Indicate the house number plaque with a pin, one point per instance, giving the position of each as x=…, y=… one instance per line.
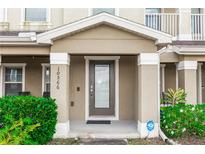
x=58, y=79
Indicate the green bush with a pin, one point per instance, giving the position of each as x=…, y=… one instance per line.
x=17, y=132
x=175, y=97
x=39, y=110
x=183, y=120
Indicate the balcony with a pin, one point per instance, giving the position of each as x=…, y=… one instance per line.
x=198, y=26
x=169, y=23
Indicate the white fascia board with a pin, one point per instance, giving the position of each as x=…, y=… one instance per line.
x=158, y=36
x=148, y=59
x=184, y=65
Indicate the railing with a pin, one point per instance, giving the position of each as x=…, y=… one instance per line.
x=166, y=22
x=198, y=26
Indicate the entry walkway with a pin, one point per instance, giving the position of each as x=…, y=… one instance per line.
x=117, y=129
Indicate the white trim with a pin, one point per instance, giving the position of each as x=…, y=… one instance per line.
x=199, y=83
x=13, y=65
x=5, y=15
x=102, y=18
x=177, y=76
x=117, y=11
x=87, y=59
x=158, y=98
x=90, y=11
x=62, y=130
x=163, y=76
x=43, y=75
x=102, y=57
x=142, y=129
x=148, y=59
x=102, y=118
x=187, y=65
x=182, y=36
x=1, y=81
x=59, y=58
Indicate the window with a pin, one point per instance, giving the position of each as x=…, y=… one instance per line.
x=46, y=78
x=2, y=15
x=195, y=10
x=153, y=20
x=13, y=80
x=101, y=10
x=35, y=14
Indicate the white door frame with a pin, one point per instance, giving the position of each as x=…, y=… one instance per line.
x=87, y=59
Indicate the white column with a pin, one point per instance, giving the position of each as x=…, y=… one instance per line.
x=162, y=66
x=148, y=93
x=1, y=77
x=60, y=91
x=177, y=77
x=184, y=24
x=203, y=22
x=199, y=83
x=188, y=79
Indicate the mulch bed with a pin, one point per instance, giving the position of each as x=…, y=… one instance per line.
x=190, y=140
x=72, y=141
x=149, y=141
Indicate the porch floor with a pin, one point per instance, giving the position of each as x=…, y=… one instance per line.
x=117, y=129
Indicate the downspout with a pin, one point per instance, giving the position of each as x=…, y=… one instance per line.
x=159, y=52
x=161, y=133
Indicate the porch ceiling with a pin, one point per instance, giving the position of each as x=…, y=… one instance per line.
x=104, y=18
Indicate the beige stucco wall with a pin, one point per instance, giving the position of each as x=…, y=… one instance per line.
x=60, y=16
x=74, y=14
x=170, y=10
x=147, y=93
x=33, y=72
x=104, y=40
x=203, y=82
x=60, y=89
x=194, y=58
x=24, y=50
x=77, y=79
x=188, y=81
x=133, y=14
x=170, y=76
x=126, y=85
x=14, y=18
x=169, y=57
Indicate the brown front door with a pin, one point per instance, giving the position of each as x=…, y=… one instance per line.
x=101, y=88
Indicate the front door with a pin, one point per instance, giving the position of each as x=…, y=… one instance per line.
x=101, y=88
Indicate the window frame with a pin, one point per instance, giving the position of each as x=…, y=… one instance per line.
x=13, y=65
x=5, y=19
x=48, y=17
x=90, y=11
x=44, y=65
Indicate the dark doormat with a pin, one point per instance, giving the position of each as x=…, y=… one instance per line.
x=103, y=142
x=98, y=122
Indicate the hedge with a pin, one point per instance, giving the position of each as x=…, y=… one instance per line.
x=183, y=120
x=39, y=110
